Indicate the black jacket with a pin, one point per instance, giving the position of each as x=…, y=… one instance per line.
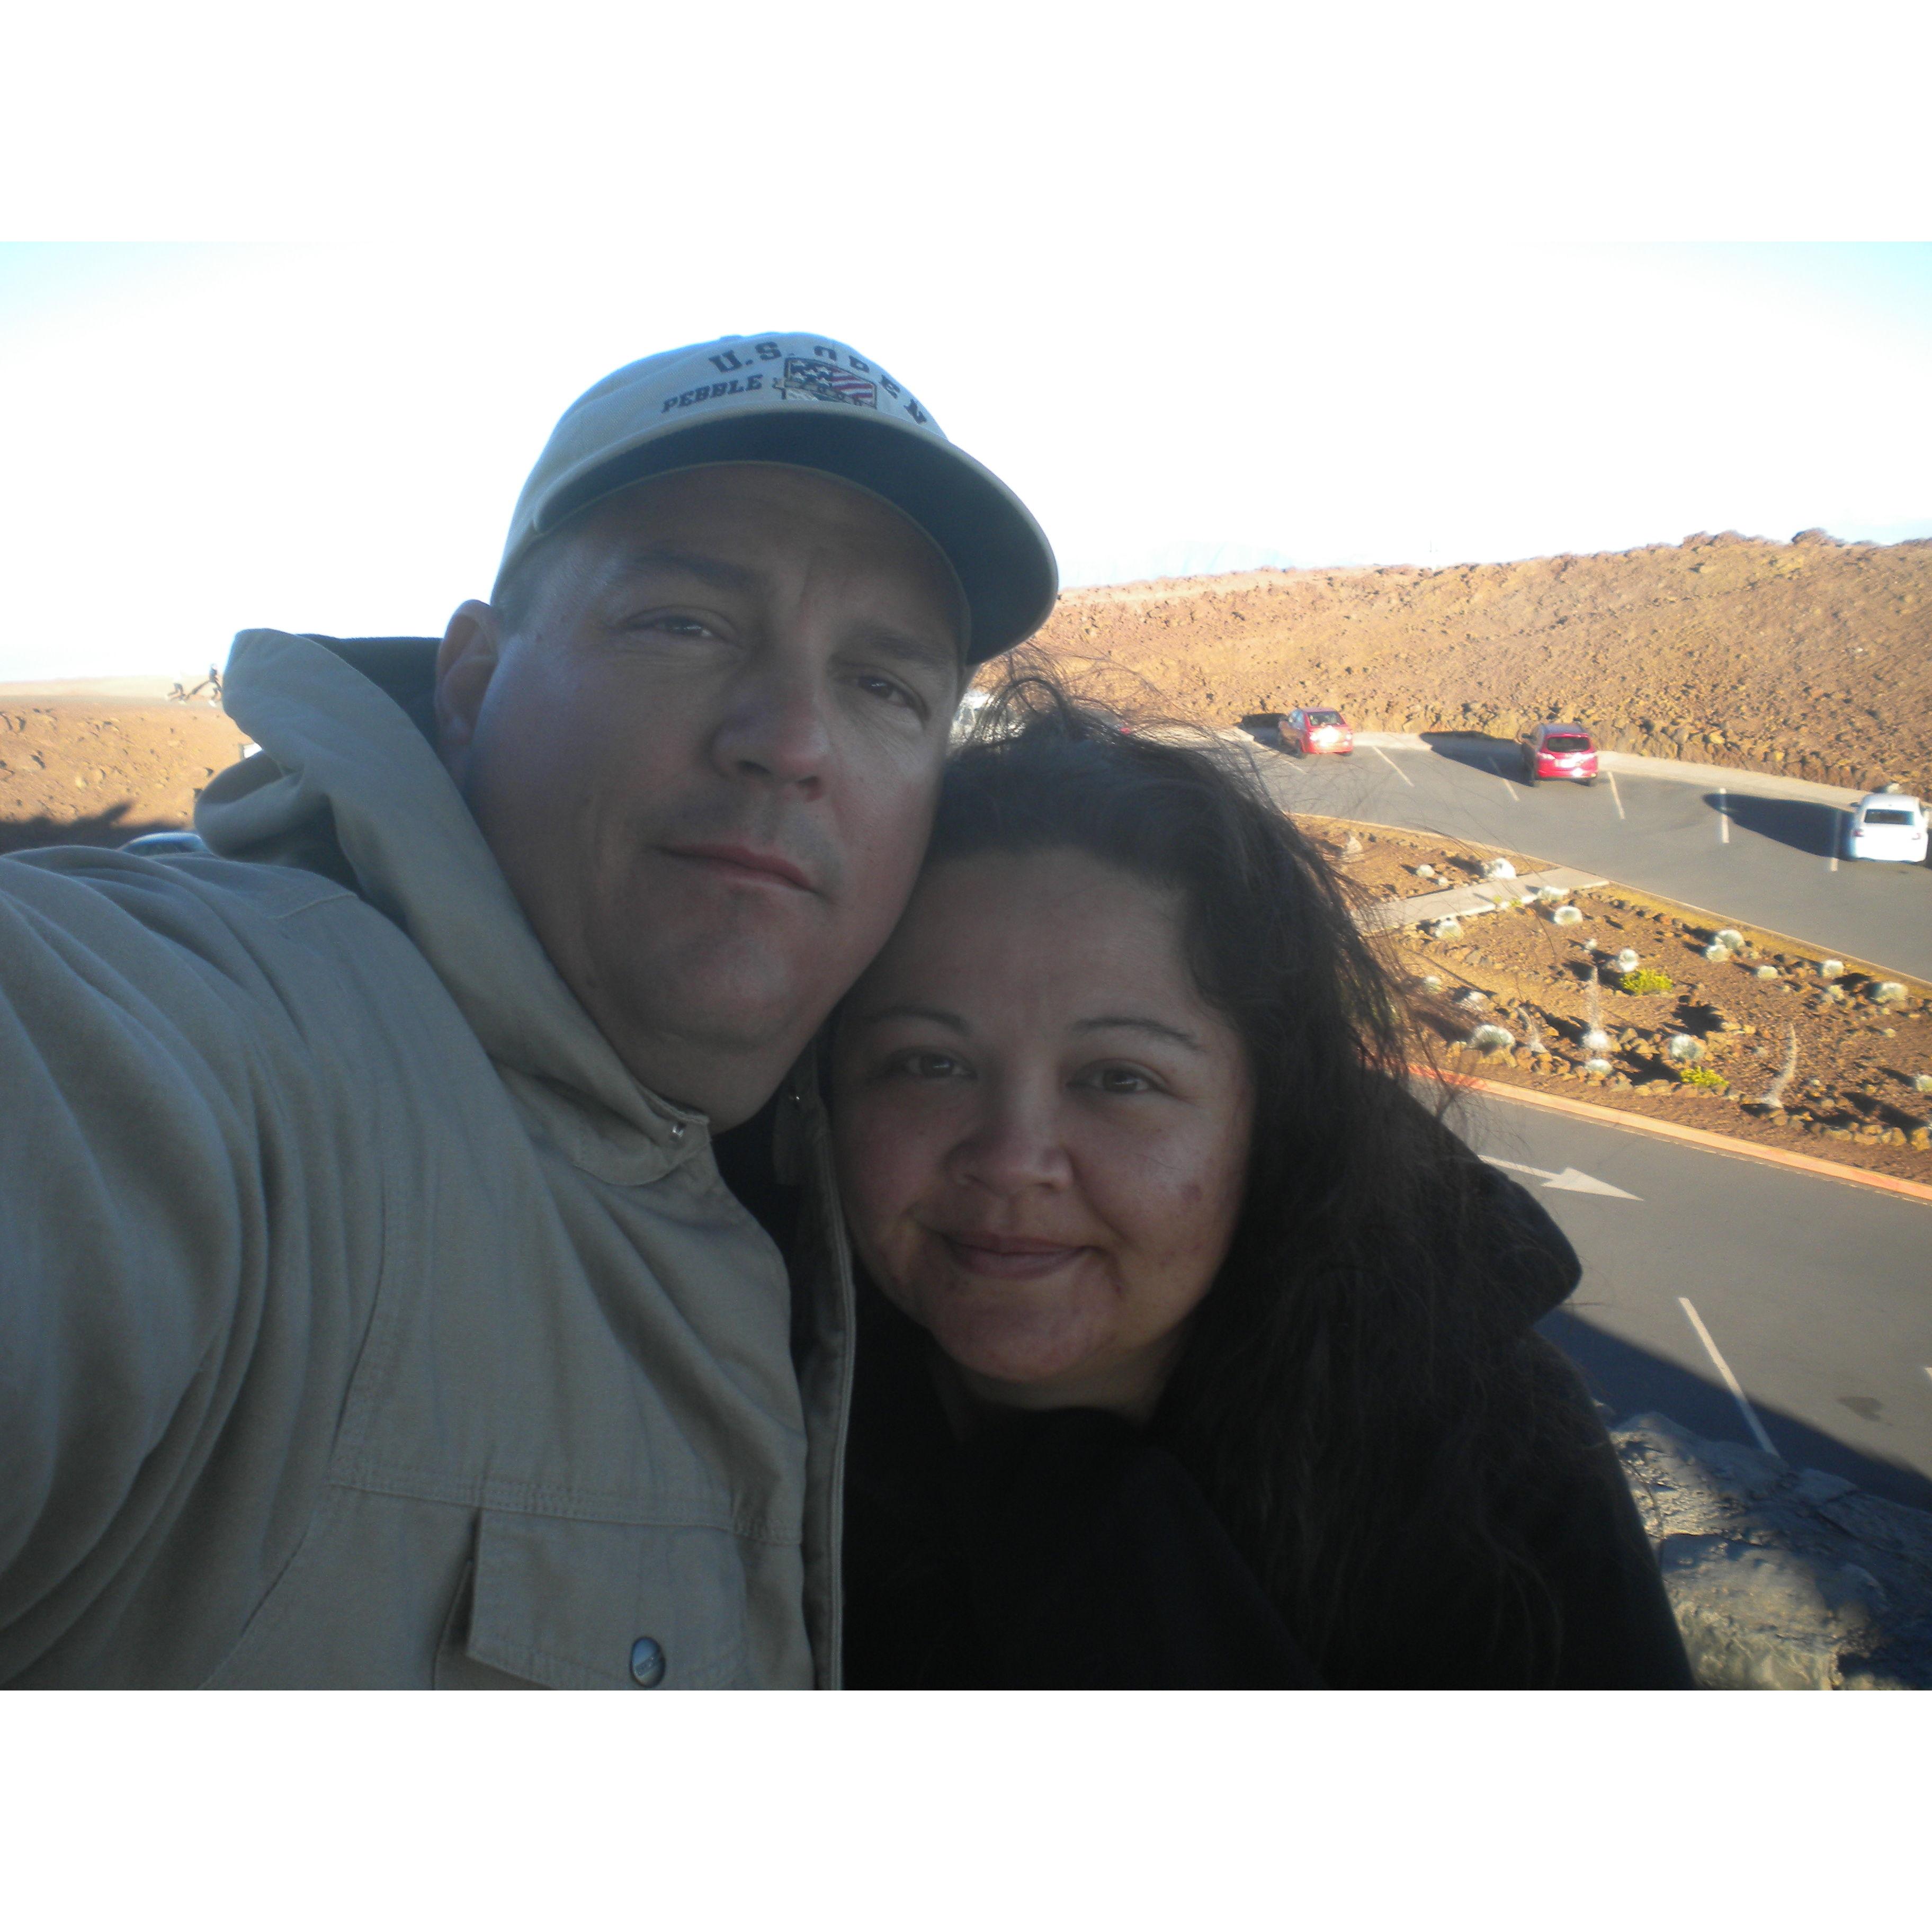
x=1069, y=1549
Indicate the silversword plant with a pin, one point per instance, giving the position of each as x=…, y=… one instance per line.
x=1774, y=1094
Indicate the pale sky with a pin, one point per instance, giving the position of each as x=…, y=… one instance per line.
x=1107, y=268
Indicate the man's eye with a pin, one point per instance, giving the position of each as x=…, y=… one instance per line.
x=667, y=623
x=887, y=690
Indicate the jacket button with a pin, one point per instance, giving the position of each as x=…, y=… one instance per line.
x=647, y=1662
x=677, y=1130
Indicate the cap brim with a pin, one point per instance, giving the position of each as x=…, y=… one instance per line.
x=1005, y=565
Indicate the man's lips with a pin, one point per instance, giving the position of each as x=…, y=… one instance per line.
x=1010, y=1257
x=744, y=863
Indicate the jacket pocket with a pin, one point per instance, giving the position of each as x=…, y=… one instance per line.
x=565, y=1604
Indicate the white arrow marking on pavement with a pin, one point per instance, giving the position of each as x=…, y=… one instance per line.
x=1570, y=1181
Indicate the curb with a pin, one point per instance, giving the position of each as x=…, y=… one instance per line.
x=1680, y=771
x=1872, y=968
x=1582, y=1110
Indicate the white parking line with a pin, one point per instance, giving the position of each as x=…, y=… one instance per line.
x=1723, y=819
x=1929, y=1372
x=1616, y=797
x=1723, y=1367
x=1393, y=767
x=1506, y=785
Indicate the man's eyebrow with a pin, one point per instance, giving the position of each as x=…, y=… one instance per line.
x=712, y=570
x=937, y=1015
x=910, y=647
x=905, y=647
x=1135, y=1023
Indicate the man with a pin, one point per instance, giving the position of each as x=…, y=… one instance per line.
x=373, y=1310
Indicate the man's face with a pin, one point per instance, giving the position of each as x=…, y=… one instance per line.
x=707, y=760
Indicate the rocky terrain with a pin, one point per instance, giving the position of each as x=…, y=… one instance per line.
x=75, y=771
x=1856, y=1051
x=1781, y=1579
x=1812, y=658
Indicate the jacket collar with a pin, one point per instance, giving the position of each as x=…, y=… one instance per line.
x=339, y=754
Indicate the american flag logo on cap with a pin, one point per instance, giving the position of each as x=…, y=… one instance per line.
x=828, y=383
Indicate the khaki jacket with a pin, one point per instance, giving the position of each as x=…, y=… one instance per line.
x=363, y=1321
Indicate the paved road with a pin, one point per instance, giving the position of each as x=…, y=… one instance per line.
x=1817, y=1293
x=1755, y=849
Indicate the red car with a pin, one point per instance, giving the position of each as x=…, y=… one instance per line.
x=1559, y=751
x=1307, y=732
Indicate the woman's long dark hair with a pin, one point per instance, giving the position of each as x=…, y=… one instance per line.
x=1356, y=1395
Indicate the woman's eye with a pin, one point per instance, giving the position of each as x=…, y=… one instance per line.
x=1121, y=1080
x=925, y=1065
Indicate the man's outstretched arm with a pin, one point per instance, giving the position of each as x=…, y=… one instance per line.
x=138, y=1146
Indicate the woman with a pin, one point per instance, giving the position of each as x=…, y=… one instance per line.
x=1194, y=1350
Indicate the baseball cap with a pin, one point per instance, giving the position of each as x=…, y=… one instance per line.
x=809, y=401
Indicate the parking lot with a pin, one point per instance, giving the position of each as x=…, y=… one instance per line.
x=1742, y=845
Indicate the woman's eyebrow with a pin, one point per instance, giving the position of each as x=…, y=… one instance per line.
x=937, y=1015
x=1133, y=1022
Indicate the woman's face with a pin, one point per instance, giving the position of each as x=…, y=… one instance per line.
x=1042, y=1130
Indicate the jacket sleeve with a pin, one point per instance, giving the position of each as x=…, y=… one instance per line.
x=1575, y=1516
x=1522, y=1250
x=131, y=1193
x=1616, y=1631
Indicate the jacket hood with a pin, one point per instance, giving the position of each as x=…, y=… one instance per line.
x=345, y=769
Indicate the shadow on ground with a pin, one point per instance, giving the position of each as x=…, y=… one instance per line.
x=112, y=827
x=1801, y=823
x=1629, y=1380
x=1476, y=751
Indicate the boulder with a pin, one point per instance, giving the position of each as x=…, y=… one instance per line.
x=1782, y=1579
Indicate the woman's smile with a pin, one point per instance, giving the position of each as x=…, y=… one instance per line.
x=1010, y=1257
x=1042, y=1127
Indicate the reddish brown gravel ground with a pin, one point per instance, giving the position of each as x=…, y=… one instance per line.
x=74, y=773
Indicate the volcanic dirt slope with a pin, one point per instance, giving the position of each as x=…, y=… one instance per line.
x=74, y=771
x=1813, y=658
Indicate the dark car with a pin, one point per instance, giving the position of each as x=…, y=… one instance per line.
x=1552, y=751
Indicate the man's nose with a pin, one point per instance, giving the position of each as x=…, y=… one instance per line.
x=1016, y=1144
x=776, y=727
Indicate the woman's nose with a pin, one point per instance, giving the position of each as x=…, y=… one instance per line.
x=1014, y=1145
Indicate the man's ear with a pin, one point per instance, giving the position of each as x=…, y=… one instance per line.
x=465, y=663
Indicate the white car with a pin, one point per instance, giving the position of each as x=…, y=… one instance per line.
x=1887, y=825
